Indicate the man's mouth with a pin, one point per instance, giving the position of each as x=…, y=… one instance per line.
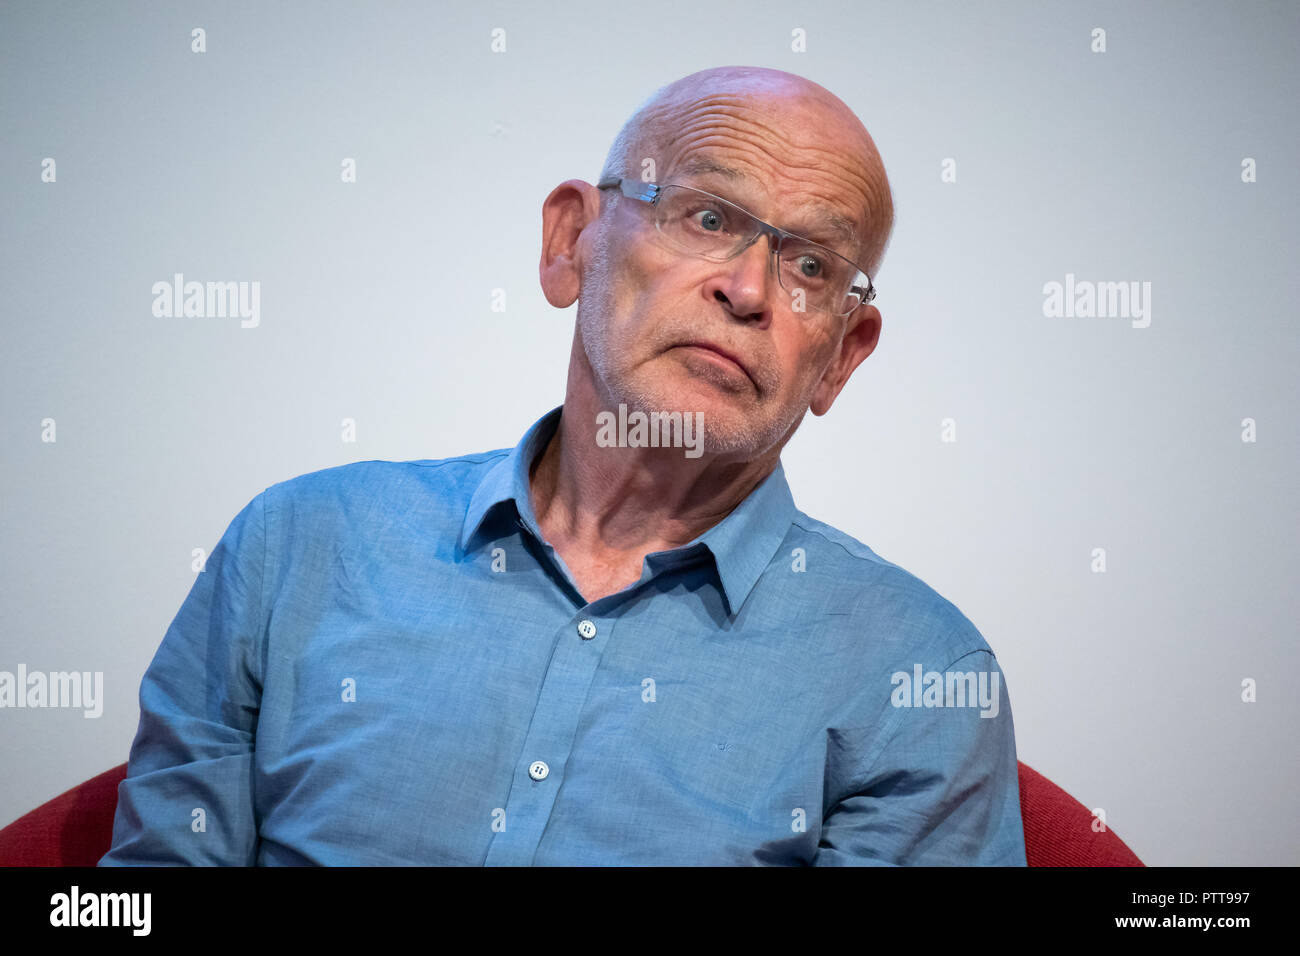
x=719, y=355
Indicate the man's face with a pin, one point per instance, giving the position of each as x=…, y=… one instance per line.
x=650, y=316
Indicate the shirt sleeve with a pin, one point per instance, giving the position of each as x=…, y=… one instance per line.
x=187, y=797
x=944, y=791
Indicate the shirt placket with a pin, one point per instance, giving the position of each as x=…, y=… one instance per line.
x=539, y=769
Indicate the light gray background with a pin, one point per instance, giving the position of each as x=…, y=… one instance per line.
x=1072, y=433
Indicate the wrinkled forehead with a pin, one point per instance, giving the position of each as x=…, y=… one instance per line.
x=798, y=161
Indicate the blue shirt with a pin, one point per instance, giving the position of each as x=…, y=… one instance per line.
x=385, y=663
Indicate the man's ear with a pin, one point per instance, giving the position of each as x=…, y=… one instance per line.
x=859, y=341
x=567, y=211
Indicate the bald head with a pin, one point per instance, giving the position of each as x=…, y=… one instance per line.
x=801, y=125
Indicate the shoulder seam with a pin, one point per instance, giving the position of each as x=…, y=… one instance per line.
x=829, y=540
x=415, y=462
x=973, y=650
x=463, y=460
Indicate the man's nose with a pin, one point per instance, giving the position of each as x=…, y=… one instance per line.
x=748, y=280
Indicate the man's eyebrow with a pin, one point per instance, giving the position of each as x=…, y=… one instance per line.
x=839, y=226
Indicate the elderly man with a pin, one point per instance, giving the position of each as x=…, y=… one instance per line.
x=612, y=644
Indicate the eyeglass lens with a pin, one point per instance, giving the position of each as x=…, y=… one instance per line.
x=810, y=273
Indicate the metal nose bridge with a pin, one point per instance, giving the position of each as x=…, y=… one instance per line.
x=774, y=237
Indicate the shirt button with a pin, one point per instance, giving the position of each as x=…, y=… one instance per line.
x=539, y=770
x=587, y=629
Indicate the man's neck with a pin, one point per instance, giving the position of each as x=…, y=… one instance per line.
x=613, y=505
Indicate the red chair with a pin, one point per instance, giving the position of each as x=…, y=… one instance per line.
x=76, y=828
x=73, y=829
x=1058, y=828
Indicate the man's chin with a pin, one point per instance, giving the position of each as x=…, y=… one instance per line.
x=714, y=426
x=723, y=408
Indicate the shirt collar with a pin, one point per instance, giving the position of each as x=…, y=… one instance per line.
x=741, y=544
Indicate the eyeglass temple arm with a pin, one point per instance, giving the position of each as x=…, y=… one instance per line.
x=632, y=188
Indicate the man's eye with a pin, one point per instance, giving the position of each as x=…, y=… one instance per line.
x=811, y=266
x=710, y=220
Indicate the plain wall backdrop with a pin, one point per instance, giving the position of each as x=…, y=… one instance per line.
x=1072, y=434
